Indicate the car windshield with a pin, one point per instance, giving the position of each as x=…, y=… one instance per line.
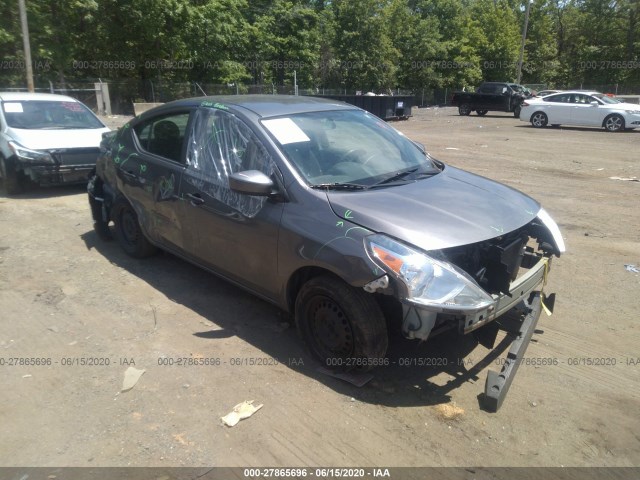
x=349, y=148
x=605, y=99
x=49, y=115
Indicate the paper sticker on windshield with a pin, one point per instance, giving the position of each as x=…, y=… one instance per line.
x=285, y=131
x=73, y=106
x=13, y=107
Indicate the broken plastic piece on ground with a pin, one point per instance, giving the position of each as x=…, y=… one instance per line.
x=626, y=179
x=131, y=377
x=240, y=412
x=357, y=379
x=631, y=268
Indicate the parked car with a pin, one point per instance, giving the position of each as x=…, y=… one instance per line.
x=544, y=93
x=46, y=138
x=330, y=213
x=584, y=108
x=491, y=96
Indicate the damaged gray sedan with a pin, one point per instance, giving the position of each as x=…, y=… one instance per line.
x=330, y=213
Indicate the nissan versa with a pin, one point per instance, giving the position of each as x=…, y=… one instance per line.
x=330, y=213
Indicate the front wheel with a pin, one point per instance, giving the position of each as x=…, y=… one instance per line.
x=482, y=113
x=464, y=109
x=539, y=120
x=614, y=123
x=343, y=326
x=128, y=231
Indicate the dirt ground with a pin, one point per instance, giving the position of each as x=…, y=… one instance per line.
x=67, y=298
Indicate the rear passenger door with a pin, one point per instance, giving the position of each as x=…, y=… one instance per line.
x=150, y=173
x=559, y=108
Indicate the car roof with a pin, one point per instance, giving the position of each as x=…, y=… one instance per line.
x=26, y=96
x=264, y=105
x=587, y=92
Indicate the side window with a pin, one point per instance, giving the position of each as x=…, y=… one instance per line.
x=221, y=144
x=562, y=98
x=581, y=99
x=164, y=136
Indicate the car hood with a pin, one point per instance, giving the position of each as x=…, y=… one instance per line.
x=624, y=106
x=39, y=139
x=450, y=209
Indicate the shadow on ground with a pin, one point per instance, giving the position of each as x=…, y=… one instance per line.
x=406, y=381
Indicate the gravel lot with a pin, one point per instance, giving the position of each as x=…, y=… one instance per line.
x=67, y=296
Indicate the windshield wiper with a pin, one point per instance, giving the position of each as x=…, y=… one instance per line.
x=395, y=176
x=340, y=186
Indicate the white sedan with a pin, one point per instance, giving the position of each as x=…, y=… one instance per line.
x=591, y=109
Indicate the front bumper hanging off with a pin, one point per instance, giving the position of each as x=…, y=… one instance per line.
x=497, y=384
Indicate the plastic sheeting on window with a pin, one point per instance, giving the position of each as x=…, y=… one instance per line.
x=221, y=144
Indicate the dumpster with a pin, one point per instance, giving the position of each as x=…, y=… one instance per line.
x=384, y=106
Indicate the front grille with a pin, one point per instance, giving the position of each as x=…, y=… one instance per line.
x=76, y=156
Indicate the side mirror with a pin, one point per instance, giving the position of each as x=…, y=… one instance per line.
x=594, y=103
x=251, y=182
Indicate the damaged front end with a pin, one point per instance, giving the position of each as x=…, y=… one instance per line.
x=468, y=286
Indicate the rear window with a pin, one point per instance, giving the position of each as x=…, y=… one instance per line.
x=49, y=115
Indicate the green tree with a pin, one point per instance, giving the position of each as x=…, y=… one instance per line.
x=366, y=57
x=499, y=46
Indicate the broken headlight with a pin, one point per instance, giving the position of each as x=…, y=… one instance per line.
x=429, y=282
x=32, y=156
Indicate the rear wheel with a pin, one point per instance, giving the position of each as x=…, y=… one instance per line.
x=614, y=123
x=464, y=109
x=343, y=327
x=539, y=120
x=482, y=113
x=128, y=231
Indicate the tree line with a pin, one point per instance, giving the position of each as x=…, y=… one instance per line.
x=351, y=45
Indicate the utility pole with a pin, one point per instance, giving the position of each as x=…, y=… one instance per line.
x=524, y=39
x=27, y=46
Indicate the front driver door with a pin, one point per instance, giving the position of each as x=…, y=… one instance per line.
x=234, y=234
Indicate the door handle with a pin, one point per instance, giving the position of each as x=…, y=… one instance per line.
x=195, y=199
x=132, y=177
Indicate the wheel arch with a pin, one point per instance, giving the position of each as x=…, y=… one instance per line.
x=301, y=276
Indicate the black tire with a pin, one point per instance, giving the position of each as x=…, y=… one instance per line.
x=12, y=184
x=614, y=123
x=516, y=111
x=342, y=326
x=464, y=109
x=539, y=120
x=482, y=113
x=128, y=232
